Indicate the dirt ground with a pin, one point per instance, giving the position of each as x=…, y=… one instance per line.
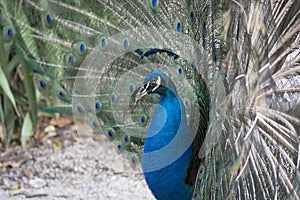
x=59, y=164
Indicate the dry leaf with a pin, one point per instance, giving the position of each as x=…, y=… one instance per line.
x=12, y=163
x=15, y=192
x=61, y=122
x=28, y=174
x=56, y=144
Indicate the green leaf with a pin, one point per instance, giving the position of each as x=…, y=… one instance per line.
x=5, y=86
x=10, y=118
x=12, y=64
x=27, y=130
x=3, y=121
x=30, y=91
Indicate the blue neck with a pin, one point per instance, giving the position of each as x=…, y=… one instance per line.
x=164, y=163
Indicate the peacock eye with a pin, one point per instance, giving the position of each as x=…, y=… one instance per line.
x=153, y=84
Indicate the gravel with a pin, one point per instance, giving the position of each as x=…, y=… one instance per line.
x=61, y=168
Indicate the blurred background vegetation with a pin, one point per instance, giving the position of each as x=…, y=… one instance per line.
x=19, y=96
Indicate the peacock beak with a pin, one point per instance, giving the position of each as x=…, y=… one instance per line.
x=140, y=94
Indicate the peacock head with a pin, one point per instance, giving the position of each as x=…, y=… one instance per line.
x=155, y=82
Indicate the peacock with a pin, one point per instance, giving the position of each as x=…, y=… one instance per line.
x=202, y=94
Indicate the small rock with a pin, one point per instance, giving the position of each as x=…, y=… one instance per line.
x=49, y=128
x=117, y=167
x=25, y=179
x=89, y=140
x=37, y=183
x=51, y=131
x=6, y=182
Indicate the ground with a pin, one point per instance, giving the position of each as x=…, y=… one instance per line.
x=58, y=164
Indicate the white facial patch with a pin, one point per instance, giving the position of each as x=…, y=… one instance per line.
x=158, y=83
